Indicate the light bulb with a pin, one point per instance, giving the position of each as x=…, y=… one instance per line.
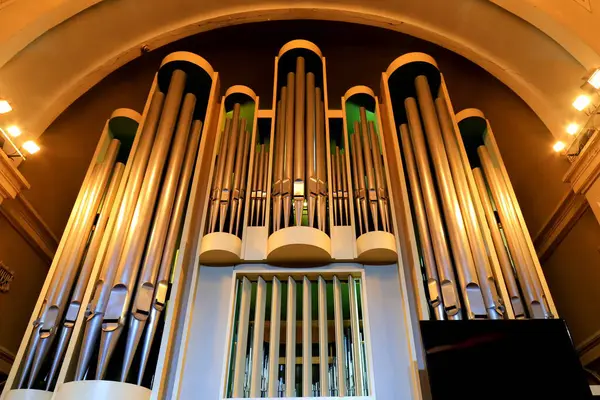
x=4, y=107
x=13, y=130
x=558, y=146
x=31, y=147
x=572, y=128
x=581, y=102
x=594, y=80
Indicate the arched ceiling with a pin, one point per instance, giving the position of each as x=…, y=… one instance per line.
x=53, y=51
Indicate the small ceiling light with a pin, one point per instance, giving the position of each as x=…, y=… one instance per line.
x=558, y=146
x=31, y=147
x=594, y=80
x=13, y=130
x=581, y=102
x=572, y=129
x=5, y=107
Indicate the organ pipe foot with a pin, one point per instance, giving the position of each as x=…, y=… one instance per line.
x=108, y=342
x=152, y=325
x=287, y=205
x=59, y=353
x=40, y=354
x=276, y=213
x=35, y=338
x=134, y=334
x=90, y=338
x=298, y=206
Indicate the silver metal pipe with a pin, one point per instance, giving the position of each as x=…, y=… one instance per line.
x=227, y=176
x=97, y=305
x=146, y=283
x=362, y=186
x=344, y=186
x=264, y=184
x=465, y=265
x=122, y=287
x=487, y=280
x=503, y=257
x=338, y=183
x=218, y=175
x=259, y=183
x=371, y=193
x=355, y=184
x=159, y=300
x=334, y=188
x=243, y=183
x=321, y=120
x=425, y=247
x=379, y=176
x=72, y=234
x=237, y=181
x=299, y=142
x=56, y=305
x=288, y=170
x=531, y=287
x=311, y=162
x=254, y=191
x=279, y=158
x=448, y=283
x=72, y=312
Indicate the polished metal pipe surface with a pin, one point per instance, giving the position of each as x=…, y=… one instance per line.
x=379, y=178
x=311, y=162
x=334, y=188
x=344, y=187
x=321, y=163
x=228, y=174
x=464, y=262
x=425, y=246
x=487, y=280
x=503, y=257
x=279, y=159
x=338, y=178
x=218, y=176
x=254, y=191
x=448, y=283
x=259, y=184
x=531, y=287
x=362, y=186
x=299, y=142
x=144, y=287
x=129, y=263
x=288, y=170
x=237, y=171
x=55, y=307
x=97, y=305
x=264, y=184
x=371, y=192
x=243, y=183
x=354, y=173
x=102, y=226
x=171, y=246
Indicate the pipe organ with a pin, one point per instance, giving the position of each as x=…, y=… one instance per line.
x=203, y=182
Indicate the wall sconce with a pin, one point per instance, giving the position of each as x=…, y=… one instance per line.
x=559, y=146
x=5, y=107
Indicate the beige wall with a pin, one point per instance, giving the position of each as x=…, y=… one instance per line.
x=245, y=55
x=573, y=273
x=30, y=271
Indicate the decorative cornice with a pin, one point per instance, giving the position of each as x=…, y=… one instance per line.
x=11, y=180
x=562, y=220
x=589, y=349
x=6, y=360
x=586, y=168
x=26, y=220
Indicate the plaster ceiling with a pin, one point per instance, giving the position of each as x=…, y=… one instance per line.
x=53, y=51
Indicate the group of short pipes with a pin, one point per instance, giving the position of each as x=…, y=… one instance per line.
x=142, y=225
x=455, y=248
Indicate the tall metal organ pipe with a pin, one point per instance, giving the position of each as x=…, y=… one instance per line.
x=97, y=305
x=122, y=286
x=491, y=297
x=463, y=259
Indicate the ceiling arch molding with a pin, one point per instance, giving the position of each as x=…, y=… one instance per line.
x=47, y=74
